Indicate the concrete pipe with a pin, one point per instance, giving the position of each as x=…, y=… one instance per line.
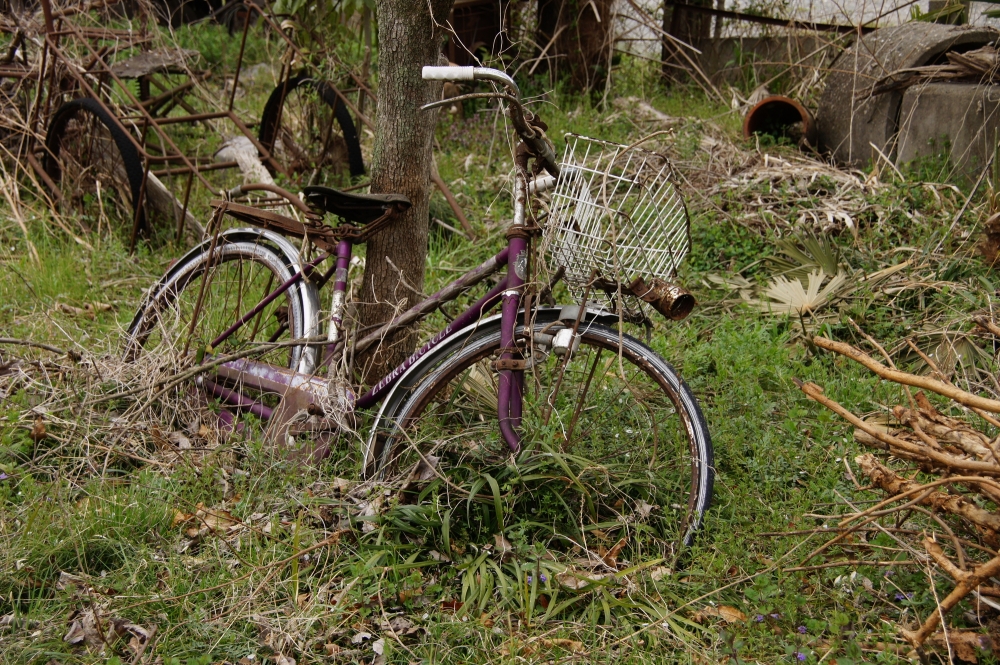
x=849, y=122
x=780, y=117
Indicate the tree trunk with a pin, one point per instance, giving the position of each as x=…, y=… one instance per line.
x=401, y=163
x=690, y=27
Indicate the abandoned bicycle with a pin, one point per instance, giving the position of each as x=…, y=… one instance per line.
x=528, y=380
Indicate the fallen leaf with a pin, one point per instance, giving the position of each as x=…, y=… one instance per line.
x=83, y=629
x=400, y=625
x=90, y=310
x=502, y=544
x=180, y=518
x=283, y=660
x=964, y=644
x=580, y=580
x=179, y=440
x=342, y=485
x=378, y=646
x=38, y=430
x=361, y=637
x=451, y=605
x=206, y=520
x=426, y=469
x=611, y=558
x=659, y=572
x=727, y=613
x=643, y=509
x=569, y=645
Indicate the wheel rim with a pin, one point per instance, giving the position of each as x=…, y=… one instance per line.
x=201, y=300
x=93, y=181
x=309, y=141
x=630, y=442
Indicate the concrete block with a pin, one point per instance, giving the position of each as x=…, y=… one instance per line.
x=849, y=123
x=957, y=119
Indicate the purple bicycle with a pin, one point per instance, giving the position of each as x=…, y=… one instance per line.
x=527, y=380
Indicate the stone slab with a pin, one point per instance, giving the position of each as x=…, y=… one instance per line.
x=960, y=120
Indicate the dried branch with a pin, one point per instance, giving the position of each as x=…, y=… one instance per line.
x=967, y=582
x=906, y=379
x=955, y=504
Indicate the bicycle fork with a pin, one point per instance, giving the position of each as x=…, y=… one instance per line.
x=511, y=370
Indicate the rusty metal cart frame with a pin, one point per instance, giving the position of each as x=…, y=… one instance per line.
x=138, y=111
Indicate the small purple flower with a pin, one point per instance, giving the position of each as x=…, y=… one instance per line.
x=529, y=579
x=3, y=476
x=543, y=578
x=774, y=616
x=800, y=655
x=803, y=630
x=904, y=596
x=759, y=618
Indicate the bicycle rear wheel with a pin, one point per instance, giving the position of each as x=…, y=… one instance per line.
x=208, y=290
x=620, y=417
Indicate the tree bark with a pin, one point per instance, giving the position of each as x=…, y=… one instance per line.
x=409, y=38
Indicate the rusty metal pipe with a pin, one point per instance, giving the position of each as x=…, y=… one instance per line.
x=670, y=300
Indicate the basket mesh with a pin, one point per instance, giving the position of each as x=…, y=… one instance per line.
x=615, y=210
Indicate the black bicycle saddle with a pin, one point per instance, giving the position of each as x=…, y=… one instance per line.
x=357, y=208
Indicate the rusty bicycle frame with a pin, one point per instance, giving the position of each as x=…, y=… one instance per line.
x=138, y=111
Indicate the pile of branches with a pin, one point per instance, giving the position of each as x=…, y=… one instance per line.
x=959, y=490
x=979, y=66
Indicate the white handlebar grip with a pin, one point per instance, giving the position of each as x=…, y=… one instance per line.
x=448, y=73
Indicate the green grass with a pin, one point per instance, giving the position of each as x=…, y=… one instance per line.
x=82, y=529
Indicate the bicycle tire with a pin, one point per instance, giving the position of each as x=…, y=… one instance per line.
x=688, y=474
x=260, y=265
x=99, y=156
x=271, y=118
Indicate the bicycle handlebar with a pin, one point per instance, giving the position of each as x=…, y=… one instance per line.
x=530, y=135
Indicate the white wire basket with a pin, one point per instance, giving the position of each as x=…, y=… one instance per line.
x=616, y=211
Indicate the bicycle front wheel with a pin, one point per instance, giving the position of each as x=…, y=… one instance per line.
x=609, y=406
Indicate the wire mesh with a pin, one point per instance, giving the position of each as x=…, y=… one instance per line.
x=615, y=210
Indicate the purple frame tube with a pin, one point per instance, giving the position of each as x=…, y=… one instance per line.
x=292, y=281
x=466, y=318
x=237, y=400
x=508, y=290
x=510, y=382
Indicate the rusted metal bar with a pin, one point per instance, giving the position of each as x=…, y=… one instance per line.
x=47, y=12
x=83, y=83
x=439, y=181
x=183, y=216
x=138, y=214
x=239, y=58
x=182, y=119
x=40, y=170
x=274, y=189
x=156, y=101
x=217, y=166
x=446, y=294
